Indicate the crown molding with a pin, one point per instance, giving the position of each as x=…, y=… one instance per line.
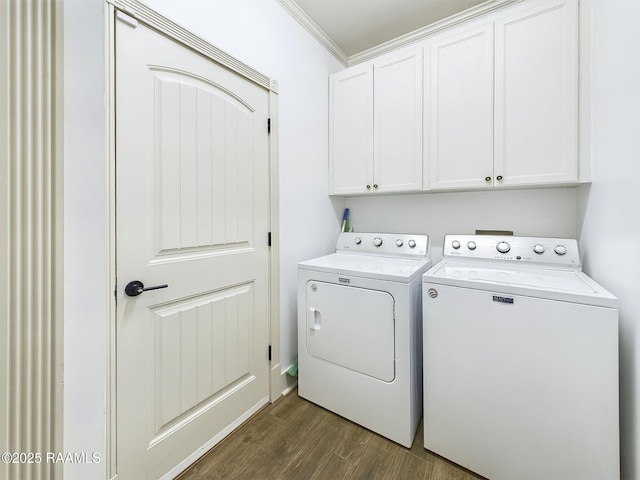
x=421, y=33
x=138, y=11
x=312, y=27
x=474, y=12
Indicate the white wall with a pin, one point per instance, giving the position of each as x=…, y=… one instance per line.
x=611, y=206
x=257, y=32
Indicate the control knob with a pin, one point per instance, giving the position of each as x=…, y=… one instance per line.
x=357, y=241
x=560, y=249
x=455, y=244
x=412, y=243
x=538, y=248
x=377, y=241
x=399, y=243
x=503, y=247
x=471, y=245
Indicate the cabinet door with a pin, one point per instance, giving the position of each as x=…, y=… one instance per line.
x=536, y=94
x=398, y=122
x=459, y=108
x=351, y=131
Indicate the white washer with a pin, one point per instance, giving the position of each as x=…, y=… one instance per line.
x=520, y=361
x=359, y=331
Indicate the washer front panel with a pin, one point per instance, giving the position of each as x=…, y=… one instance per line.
x=520, y=387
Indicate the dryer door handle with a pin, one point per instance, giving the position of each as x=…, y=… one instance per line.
x=313, y=319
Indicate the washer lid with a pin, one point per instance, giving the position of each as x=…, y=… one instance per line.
x=563, y=285
x=382, y=268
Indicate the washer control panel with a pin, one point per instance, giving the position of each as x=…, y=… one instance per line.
x=388, y=244
x=538, y=250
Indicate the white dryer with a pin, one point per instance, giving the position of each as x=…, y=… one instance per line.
x=359, y=331
x=520, y=361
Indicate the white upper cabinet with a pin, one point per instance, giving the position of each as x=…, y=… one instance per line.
x=500, y=108
x=351, y=131
x=375, y=126
x=501, y=103
x=536, y=116
x=397, y=123
x=459, y=108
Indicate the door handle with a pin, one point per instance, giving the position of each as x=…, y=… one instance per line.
x=135, y=288
x=313, y=322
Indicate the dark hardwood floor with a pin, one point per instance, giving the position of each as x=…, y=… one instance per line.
x=294, y=439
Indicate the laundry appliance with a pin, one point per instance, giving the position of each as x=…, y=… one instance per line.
x=359, y=331
x=520, y=360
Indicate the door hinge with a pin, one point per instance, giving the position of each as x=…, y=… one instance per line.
x=268, y=239
x=268, y=125
x=269, y=352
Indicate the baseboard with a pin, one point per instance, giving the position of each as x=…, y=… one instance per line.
x=289, y=384
x=284, y=384
x=175, y=471
x=281, y=383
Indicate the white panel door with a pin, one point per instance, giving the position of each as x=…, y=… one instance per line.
x=537, y=94
x=193, y=213
x=351, y=131
x=459, y=108
x=397, y=158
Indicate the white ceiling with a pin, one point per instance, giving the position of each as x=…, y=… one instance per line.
x=358, y=25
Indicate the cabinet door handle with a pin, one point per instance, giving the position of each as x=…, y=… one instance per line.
x=368, y=187
x=375, y=185
x=487, y=179
x=499, y=177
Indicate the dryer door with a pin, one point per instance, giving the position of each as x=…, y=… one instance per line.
x=351, y=327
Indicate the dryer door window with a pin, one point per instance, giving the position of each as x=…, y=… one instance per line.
x=351, y=327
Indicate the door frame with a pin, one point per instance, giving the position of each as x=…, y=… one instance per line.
x=137, y=12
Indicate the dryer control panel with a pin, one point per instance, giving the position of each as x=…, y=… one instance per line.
x=385, y=244
x=561, y=252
